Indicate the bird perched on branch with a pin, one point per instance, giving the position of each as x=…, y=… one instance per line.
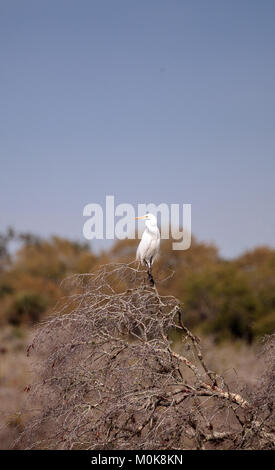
x=148, y=247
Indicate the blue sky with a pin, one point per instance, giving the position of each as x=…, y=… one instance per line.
x=152, y=101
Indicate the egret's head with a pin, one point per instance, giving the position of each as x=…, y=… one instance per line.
x=150, y=219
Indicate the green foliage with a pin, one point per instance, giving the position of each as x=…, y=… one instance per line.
x=27, y=307
x=5, y=289
x=265, y=324
x=221, y=301
x=227, y=299
x=30, y=282
x=53, y=259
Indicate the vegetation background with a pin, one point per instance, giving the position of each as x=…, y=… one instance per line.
x=229, y=303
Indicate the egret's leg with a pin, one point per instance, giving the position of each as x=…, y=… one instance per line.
x=147, y=266
x=149, y=272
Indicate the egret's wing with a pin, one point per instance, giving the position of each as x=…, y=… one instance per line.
x=143, y=246
x=154, y=246
x=153, y=249
x=148, y=247
x=157, y=248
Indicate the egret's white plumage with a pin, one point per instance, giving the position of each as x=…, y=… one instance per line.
x=148, y=247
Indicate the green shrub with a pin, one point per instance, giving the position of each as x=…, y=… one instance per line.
x=220, y=301
x=27, y=307
x=5, y=289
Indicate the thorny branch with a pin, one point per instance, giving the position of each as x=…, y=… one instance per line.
x=111, y=379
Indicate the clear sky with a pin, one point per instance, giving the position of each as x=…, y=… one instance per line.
x=149, y=100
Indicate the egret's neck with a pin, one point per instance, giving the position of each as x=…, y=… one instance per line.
x=152, y=228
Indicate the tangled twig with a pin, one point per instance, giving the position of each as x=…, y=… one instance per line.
x=111, y=379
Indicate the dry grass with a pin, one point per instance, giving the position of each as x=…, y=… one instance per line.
x=15, y=374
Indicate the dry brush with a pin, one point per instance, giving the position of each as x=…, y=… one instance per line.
x=110, y=377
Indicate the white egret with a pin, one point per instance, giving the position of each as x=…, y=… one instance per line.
x=148, y=247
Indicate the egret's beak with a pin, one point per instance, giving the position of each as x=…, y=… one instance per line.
x=141, y=217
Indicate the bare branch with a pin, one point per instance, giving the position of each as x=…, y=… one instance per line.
x=110, y=378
